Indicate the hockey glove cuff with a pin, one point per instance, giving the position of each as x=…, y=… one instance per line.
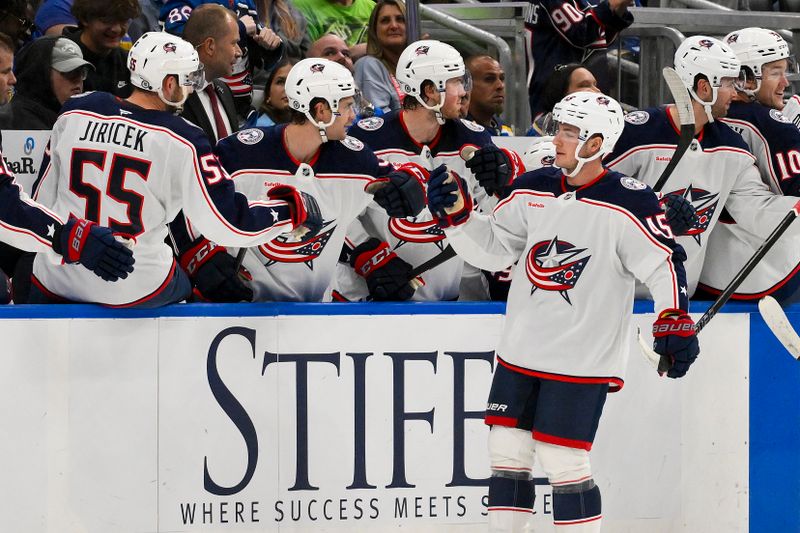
x=302, y=206
x=674, y=337
x=403, y=194
x=494, y=168
x=386, y=274
x=213, y=273
x=83, y=241
x=449, y=200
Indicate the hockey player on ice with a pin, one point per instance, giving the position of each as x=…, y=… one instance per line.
x=428, y=132
x=132, y=165
x=718, y=172
x=314, y=154
x=573, y=227
x=755, y=114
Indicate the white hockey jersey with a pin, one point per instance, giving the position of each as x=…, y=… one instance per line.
x=133, y=170
x=716, y=174
x=419, y=239
x=775, y=142
x=301, y=270
x=579, y=253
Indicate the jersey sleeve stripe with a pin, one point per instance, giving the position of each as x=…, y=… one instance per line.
x=768, y=154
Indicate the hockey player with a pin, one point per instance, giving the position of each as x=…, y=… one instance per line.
x=429, y=132
x=573, y=227
x=717, y=171
x=132, y=165
x=314, y=154
x=755, y=114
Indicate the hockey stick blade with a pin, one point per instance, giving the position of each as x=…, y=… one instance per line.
x=778, y=322
x=683, y=104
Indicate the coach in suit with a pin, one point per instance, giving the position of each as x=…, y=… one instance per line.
x=214, y=32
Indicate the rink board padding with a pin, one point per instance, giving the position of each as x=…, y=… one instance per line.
x=359, y=417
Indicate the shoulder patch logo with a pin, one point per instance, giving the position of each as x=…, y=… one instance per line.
x=250, y=136
x=637, y=117
x=370, y=124
x=474, y=126
x=632, y=184
x=778, y=116
x=353, y=143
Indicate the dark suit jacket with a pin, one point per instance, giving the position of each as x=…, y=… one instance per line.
x=193, y=111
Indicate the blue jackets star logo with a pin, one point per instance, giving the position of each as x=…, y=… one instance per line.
x=553, y=266
x=416, y=232
x=305, y=251
x=706, y=205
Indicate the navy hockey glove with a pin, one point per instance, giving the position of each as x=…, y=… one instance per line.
x=675, y=338
x=386, y=274
x=303, y=207
x=449, y=200
x=83, y=241
x=681, y=214
x=492, y=168
x=402, y=195
x=213, y=273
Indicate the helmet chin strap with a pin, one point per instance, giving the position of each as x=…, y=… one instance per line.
x=322, y=126
x=706, y=105
x=177, y=106
x=581, y=160
x=437, y=109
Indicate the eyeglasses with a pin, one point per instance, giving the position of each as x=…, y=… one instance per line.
x=79, y=74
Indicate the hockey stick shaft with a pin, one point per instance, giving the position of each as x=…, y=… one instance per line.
x=683, y=105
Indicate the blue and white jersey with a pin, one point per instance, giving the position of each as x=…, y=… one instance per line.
x=775, y=142
x=418, y=239
x=569, y=244
x=288, y=269
x=132, y=170
x=716, y=174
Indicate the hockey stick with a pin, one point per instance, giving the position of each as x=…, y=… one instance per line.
x=683, y=104
x=780, y=328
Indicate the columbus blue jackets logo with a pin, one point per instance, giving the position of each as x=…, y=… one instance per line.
x=370, y=124
x=250, y=136
x=706, y=205
x=705, y=43
x=732, y=38
x=778, y=116
x=637, y=117
x=305, y=251
x=603, y=100
x=416, y=232
x=422, y=50
x=170, y=48
x=317, y=67
x=555, y=266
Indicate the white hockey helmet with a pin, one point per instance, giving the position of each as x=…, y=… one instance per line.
x=540, y=153
x=156, y=55
x=755, y=47
x=428, y=60
x=710, y=57
x=593, y=114
x=318, y=78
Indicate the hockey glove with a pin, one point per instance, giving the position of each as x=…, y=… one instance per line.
x=303, y=207
x=675, y=338
x=386, y=274
x=492, y=168
x=681, y=214
x=213, y=273
x=402, y=195
x=82, y=241
x=449, y=200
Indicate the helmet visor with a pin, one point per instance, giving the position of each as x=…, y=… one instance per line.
x=195, y=79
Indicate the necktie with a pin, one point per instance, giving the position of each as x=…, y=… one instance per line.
x=222, y=131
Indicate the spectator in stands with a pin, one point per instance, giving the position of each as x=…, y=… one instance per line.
x=288, y=23
x=7, y=77
x=488, y=94
x=53, y=16
x=261, y=47
x=102, y=24
x=346, y=18
x=49, y=71
x=16, y=20
x=566, y=79
x=386, y=40
x=331, y=46
x=214, y=33
x=275, y=107
x=571, y=31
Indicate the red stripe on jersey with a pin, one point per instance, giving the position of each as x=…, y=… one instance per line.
x=514, y=509
x=615, y=384
x=520, y=192
x=581, y=521
x=768, y=155
x=431, y=144
x=560, y=441
x=505, y=421
x=756, y=295
x=571, y=481
x=153, y=294
x=27, y=232
x=49, y=294
x=730, y=149
x=406, y=153
x=625, y=155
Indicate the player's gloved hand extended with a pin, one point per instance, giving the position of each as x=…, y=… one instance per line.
x=449, y=200
x=400, y=194
x=681, y=214
x=491, y=167
x=674, y=338
x=303, y=207
x=83, y=241
x=386, y=274
x=213, y=273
